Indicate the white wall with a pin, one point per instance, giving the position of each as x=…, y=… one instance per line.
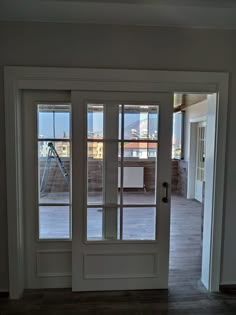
x=70, y=45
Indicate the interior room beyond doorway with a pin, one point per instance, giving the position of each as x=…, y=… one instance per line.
x=188, y=187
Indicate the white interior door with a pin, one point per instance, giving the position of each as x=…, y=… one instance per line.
x=47, y=201
x=200, y=160
x=120, y=236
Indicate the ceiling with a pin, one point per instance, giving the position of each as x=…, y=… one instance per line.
x=220, y=14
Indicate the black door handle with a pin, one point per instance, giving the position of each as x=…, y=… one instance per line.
x=165, y=198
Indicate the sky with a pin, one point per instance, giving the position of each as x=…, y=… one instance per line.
x=132, y=121
x=95, y=124
x=45, y=125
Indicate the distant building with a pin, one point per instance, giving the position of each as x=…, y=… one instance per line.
x=141, y=150
x=62, y=148
x=95, y=150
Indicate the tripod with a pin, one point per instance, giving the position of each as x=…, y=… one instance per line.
x=52, y=155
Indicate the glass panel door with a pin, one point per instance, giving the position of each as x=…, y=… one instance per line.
x=47, y=168
x=127, y=143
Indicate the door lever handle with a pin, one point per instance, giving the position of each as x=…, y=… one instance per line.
x=165, y=198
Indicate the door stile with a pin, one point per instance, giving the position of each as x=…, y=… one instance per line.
x=110, y=172
x=79, y=185
x=164, y=170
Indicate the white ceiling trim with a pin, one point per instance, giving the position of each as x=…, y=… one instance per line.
x=216, y=14
x=169, y=3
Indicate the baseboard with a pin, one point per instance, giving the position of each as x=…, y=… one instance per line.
x=228, y=288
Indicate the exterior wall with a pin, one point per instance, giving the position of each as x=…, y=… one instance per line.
x=55, y=180
x=104, y=46
x=57, y=183
x=175, y=176
x=179, y=177
x=182, y=178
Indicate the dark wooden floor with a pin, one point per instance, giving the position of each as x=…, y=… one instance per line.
x=183, y=301
x=185, y=242
x=185, y=296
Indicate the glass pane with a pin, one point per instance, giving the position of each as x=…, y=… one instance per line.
x=54, y=222
x=140, y=122
x=139, y=172
x=139, y=223
x=94, y=223
x=95, y=169
x=53, y=121
x=62, y=123
x=95, y=121
x=140, y=150
x=177, y=136
x=54, y=171
x=95, y=172
x=121, y=136
x=118, y=224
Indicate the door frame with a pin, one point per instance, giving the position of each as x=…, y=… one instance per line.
x=46, y=78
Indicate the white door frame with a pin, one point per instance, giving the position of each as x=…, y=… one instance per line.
x=18, y=78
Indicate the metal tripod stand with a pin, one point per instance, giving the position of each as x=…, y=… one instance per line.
x=52, y=155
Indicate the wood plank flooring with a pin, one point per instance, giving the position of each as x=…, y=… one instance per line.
x=182, y=301
x=185, y=242
x=186, y=295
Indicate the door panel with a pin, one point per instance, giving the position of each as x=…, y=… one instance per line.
x=120, y=234
x=47, y=205
x=200, y=160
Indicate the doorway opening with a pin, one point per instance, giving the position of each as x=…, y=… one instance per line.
x=192, y=190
